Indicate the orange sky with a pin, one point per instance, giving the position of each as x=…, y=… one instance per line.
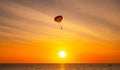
x=28, y=33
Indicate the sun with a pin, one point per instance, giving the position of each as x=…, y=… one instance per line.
x=62, y=54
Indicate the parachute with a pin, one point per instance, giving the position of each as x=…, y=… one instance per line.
x=58, y=19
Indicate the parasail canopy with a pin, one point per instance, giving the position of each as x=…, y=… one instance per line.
x=58, y=18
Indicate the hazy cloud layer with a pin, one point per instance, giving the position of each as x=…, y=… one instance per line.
x=87, y=23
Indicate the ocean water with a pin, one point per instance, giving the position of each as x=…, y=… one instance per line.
x=60, y=66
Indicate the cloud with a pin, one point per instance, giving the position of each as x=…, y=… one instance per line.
x=89, y=24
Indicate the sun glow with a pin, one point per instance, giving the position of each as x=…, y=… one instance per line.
x=62, y=54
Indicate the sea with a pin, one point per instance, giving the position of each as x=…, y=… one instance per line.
x=59, y=66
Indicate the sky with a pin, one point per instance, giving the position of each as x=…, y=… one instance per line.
x=29, y=34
